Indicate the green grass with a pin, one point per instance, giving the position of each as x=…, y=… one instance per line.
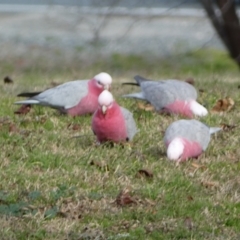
x=50, y=190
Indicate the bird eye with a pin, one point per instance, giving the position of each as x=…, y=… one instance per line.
x=99, y=82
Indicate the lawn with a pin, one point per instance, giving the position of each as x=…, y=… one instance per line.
x=57, y=183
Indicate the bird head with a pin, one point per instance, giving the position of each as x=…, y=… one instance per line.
x=105, y=101
x=103, y=80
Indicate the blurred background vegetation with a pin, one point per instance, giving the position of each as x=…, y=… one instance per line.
x=124, y=38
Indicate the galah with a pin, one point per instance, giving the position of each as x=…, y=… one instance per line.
x=187, y=139
x=75, y=98
x=112, y=122
x=171, y=96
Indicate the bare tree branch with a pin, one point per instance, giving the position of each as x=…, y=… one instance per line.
x=231, y=26
x=226, y=23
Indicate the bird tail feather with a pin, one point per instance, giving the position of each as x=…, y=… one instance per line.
x=28, y=94
x=138, y=79
x=139, y=95
x=214, y=129
x=28, y=101
x=130, y=83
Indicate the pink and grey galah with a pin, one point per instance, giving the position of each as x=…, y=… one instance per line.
x=75, y=98
x=112, y=122
x=170, y=96
x=187, y=139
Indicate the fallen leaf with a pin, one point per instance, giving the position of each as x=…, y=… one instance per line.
x=124, y=198
x=223, y=105
x=72, y=210
x=190, y=80
x=90, y=233
x=54, y=84
x=208, y=184
x=227, y=127
x=5, y=120
x=144, y=172
x=12, y=128
x=145, y=106
x=122, y=225
x=190, y=198
x=42, y=119
x=188, y=222
x=100, y=165
x=24, y=109
x=62, y=214
x=150, y=227
x=74, y=127
x=7, y=80
x=195, y=165
x=150, y=202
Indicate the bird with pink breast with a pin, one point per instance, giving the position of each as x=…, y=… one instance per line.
x=184, y=139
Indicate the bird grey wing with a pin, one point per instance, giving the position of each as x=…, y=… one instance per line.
x=130, y=123
x=174, y=130
x=158, y=94
x=65, y=96
x=182, y=90
x=202, y=133
x=185, y=90
x=191, y=130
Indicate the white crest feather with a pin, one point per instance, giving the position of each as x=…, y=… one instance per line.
x=198, y=109
x=105, y=98
x=104, y=78
x=175, y=149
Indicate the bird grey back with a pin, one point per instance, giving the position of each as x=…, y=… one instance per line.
x=191, y=130
x=72, y=92
x=184, y=90
x=162, y=93
x=157, y=94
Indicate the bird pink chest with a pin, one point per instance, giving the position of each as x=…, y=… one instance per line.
x=87, y=104
x=109, y=127
x=191, y=150
x=180, y=107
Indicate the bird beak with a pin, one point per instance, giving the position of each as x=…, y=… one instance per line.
x=104, y=109
x=106, y=87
